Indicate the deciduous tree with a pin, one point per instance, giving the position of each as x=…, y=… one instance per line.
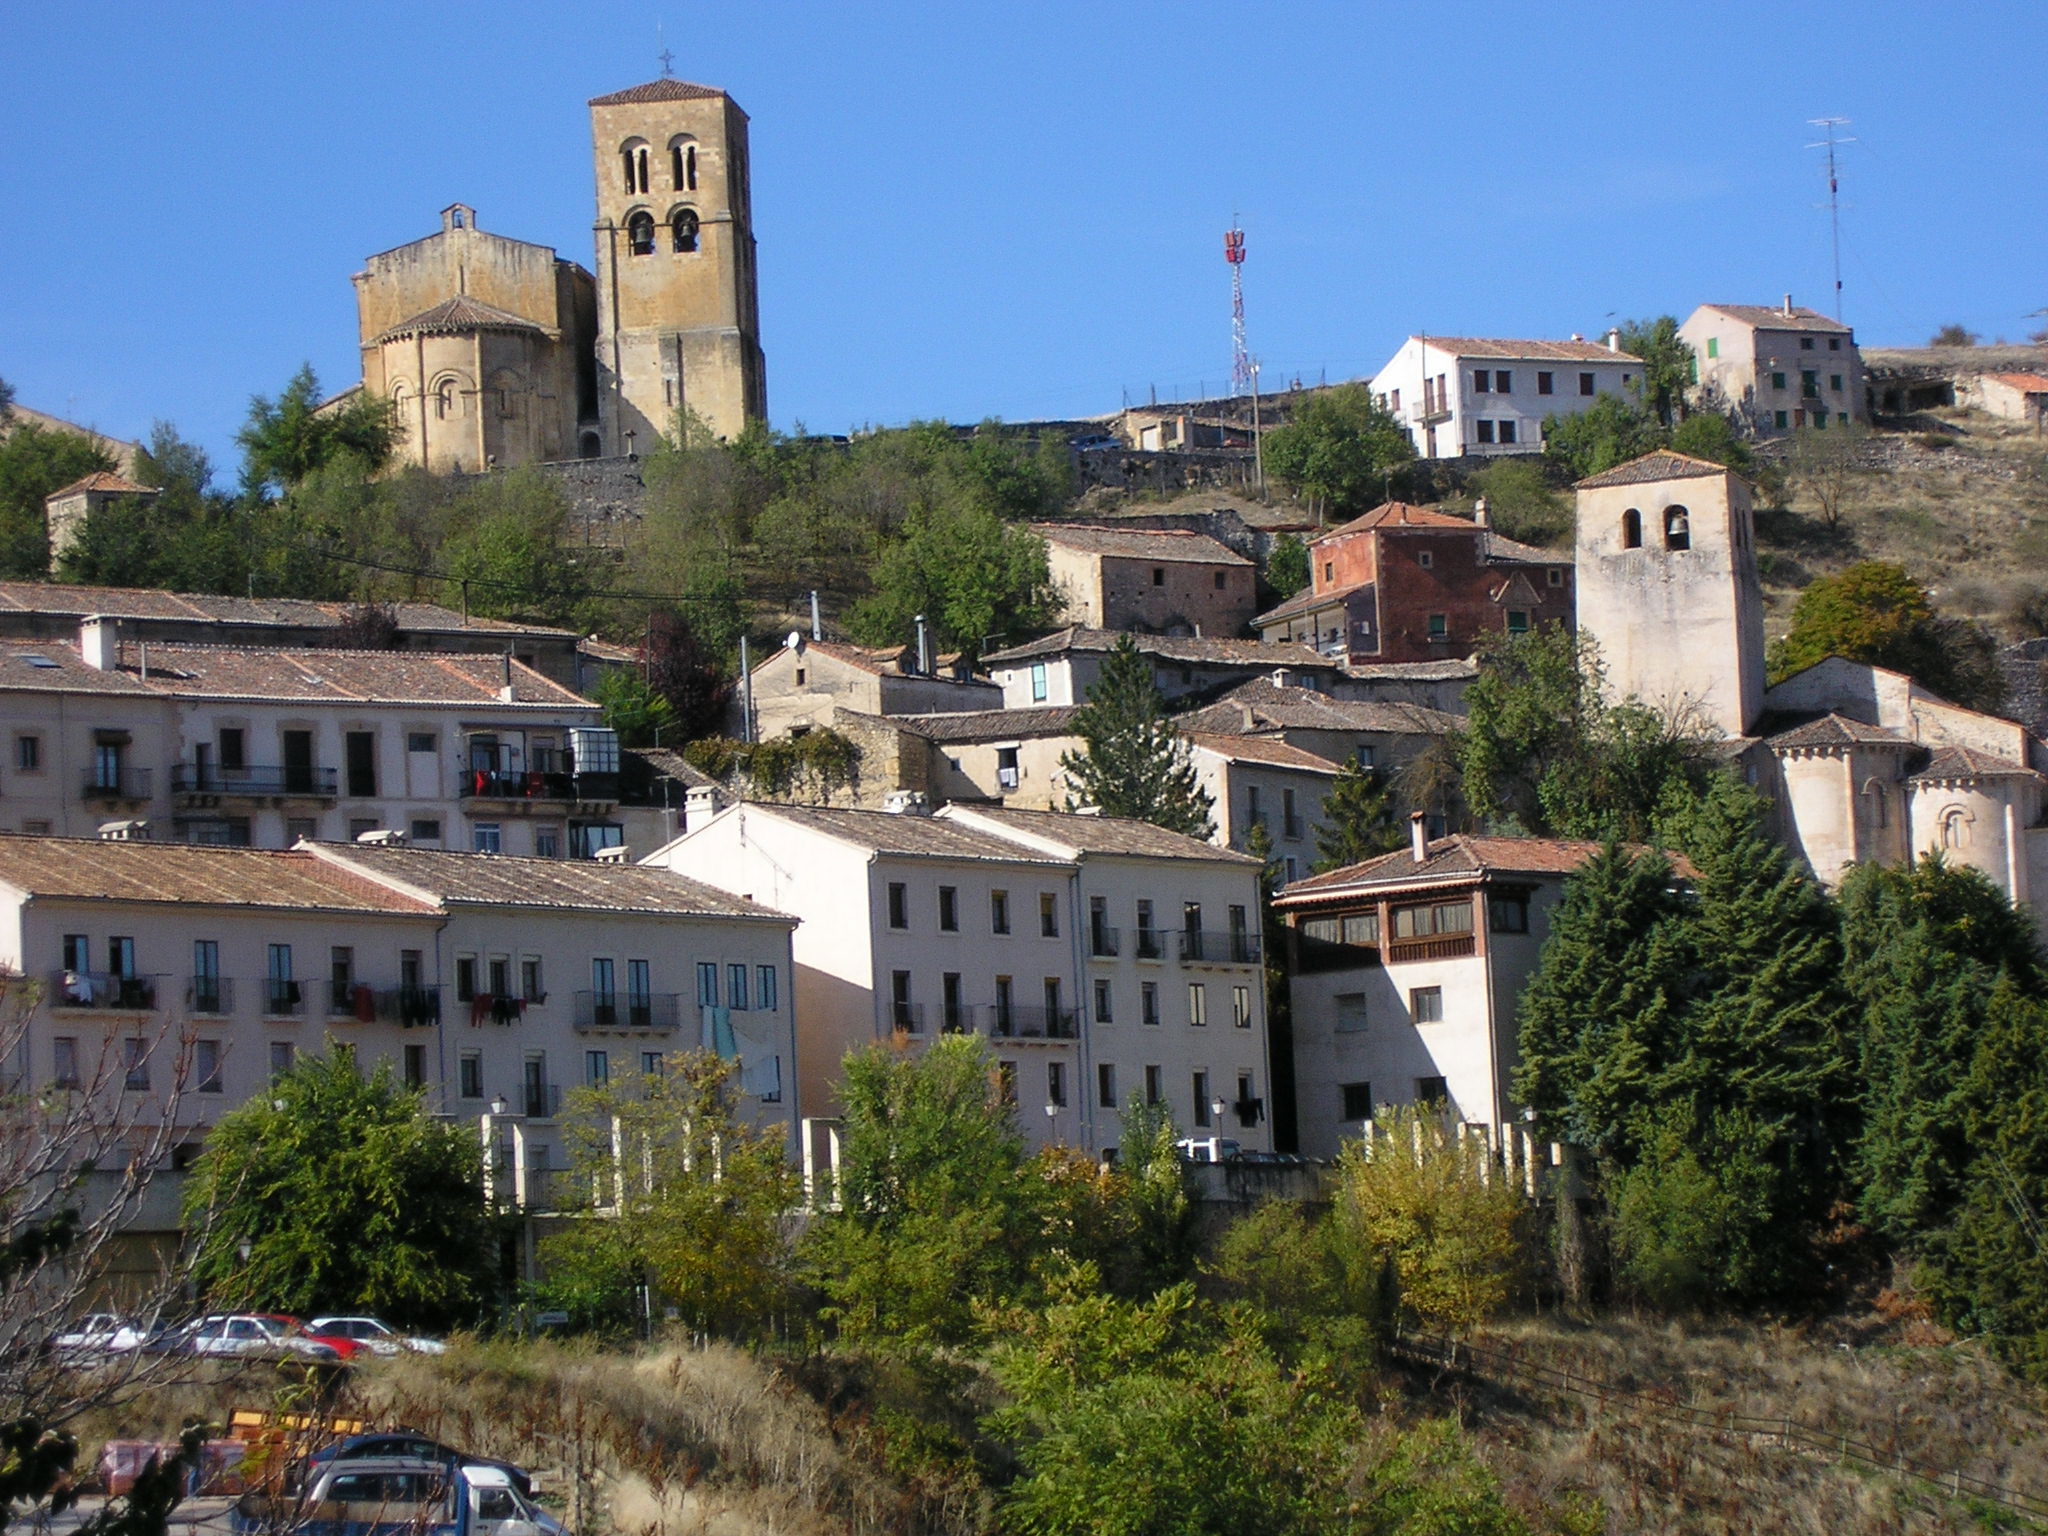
x=1874, y=612
x=1610, y=431
x=1668, y=364
x=1341, y=450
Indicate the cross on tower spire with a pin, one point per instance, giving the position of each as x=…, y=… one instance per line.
x=667, y=59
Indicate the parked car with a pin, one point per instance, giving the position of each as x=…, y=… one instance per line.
x=100, y=1333
x=372, y=1334
x=399, y=1496
x=1095, y=442
x=253, y=1334
x=403, y=1443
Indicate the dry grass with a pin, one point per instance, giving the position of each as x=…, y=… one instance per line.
x=1949, y=1405
x=1970, y=519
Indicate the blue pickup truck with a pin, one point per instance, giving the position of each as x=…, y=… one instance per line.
x=398, y=1496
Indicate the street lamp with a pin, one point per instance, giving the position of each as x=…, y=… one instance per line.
x=1219, y=1105
x=498, y=1104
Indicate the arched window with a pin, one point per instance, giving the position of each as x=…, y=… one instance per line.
x=682, y=163
x=1631, y=529
x=1677, y=528
x=683, y=222
x=444, y=400
x=640, y=233
x=1880, y=808
x=1955, y=828
x=633, y=157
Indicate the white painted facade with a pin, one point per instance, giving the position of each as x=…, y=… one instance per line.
x=1460, y=395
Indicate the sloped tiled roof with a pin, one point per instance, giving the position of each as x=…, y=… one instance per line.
x=1272, y=707
x=581, y=885
x=988, y=724
x=1399, y=514
x=1307, y=600
x=1180, y=648
x=657, y=90
x=226, y=671
x=452, y=317
x=1450, y=669
x=904, y=835
x=1261, y=749
x=1662, y=464
x=672, y=765
x=103, y=480
x=1533, y=351
x=1833, y=730
x=1968, y=763
x=187, y=874
x=66, y=600
x=1770, y=317
x=2030, y=383
x=1502, y=550
x=1080, y=834
x=1459, y=855
x=1168, y=544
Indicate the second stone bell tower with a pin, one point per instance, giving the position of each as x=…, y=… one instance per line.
x=678, y=318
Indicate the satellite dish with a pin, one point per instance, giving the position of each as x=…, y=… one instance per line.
x=795, y=642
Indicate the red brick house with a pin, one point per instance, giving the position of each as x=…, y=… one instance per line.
x=1406, y=583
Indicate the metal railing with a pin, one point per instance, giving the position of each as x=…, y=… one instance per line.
x=1103, y=940
x=283, y=998
x=1219, y=948
x=627, y=1010
x=908, y=1017
x=291, y=779
x=102, y=989
x=499, y=784
x=210, y=994
x=1150, y=944
x=1018, y=1022
x=409, y=1007
x=117, y=784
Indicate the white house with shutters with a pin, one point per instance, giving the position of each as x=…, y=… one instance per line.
x=1459, y=395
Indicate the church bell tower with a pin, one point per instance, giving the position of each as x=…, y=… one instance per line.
x=678, y=319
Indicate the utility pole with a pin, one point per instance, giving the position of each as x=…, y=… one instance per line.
x=1830, y=124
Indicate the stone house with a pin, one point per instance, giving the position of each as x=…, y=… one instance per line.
x=1260, y=781
x=805, y=680
x=1061, y=667
x=2021, y=397
x=1097, y=957
x=1405, y=583
x=1151, y=581
x=1777, y=369
x=1460, y=395
x=66, y=509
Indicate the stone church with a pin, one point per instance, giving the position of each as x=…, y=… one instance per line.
x=1860, y=763
x=499, y=352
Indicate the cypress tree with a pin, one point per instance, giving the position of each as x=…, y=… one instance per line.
x=1133, y=761
x=1358, y=819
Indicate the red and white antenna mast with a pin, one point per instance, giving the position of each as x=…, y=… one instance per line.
x=1240, y=354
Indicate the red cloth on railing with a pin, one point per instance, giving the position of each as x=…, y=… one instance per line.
x=363, y=1002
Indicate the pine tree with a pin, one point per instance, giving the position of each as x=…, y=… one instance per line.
x=1133, y=761
x=1358, y=819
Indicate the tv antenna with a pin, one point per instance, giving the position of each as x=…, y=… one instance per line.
x=1829, y=125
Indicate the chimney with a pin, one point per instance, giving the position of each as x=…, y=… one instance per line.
x=906, y=802
x=136, y=831
x=616, y=854
x=1788, y=306
x=505, y=688
x=1418, y=837
x=1245, y=717
x=1577, y=337
x=1614, y=341
x=383, y=837
x=817, y=620
x=99, y=642
x=924, y=649
x=1480, y=514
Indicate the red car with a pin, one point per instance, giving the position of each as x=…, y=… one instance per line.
x=295, y=1328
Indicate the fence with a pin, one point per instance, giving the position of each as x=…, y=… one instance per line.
x=1503, y=1365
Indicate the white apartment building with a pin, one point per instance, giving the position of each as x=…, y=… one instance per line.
x=1460, y=395
x=493, y=984
x=1099, y=957
x=261, y=747
x=1407, y=971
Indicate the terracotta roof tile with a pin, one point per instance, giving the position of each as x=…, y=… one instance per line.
x=582, y=885
x=1833, y=730
x=455, y=316
x=1968, y=763
x=672, y=765
x=1306, y=601
x=1169, y=544
x=103, y=480
x=1074, y=834
x=65, y=600
x=1273, y=707
x=986, y=724
x=902, y=835
x=1261, y=749
x=2031, y=383
x=1177, y=648
x=1399, y=514
x=1662, y=464
x=657, y=90
x=1769, y=317
x=187, y=874
x=1533, y=351
x=1458, y=855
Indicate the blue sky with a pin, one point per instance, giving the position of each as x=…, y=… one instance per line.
x=979, y=209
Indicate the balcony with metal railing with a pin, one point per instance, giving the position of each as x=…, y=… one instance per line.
x=117, y=784
x=1103, y=941
x=567, y=788
x=211, y=995
x=1149, y=944
x=292, y=780
x=283, y=998
x=908, y=1017
x=1203, y=947
x=107, y=991
x=650, y=1011
x=409, y=1007
x=1019, y=1022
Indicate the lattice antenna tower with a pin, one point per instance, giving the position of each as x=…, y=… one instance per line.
x=1829, y=125
x=1240, y=354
